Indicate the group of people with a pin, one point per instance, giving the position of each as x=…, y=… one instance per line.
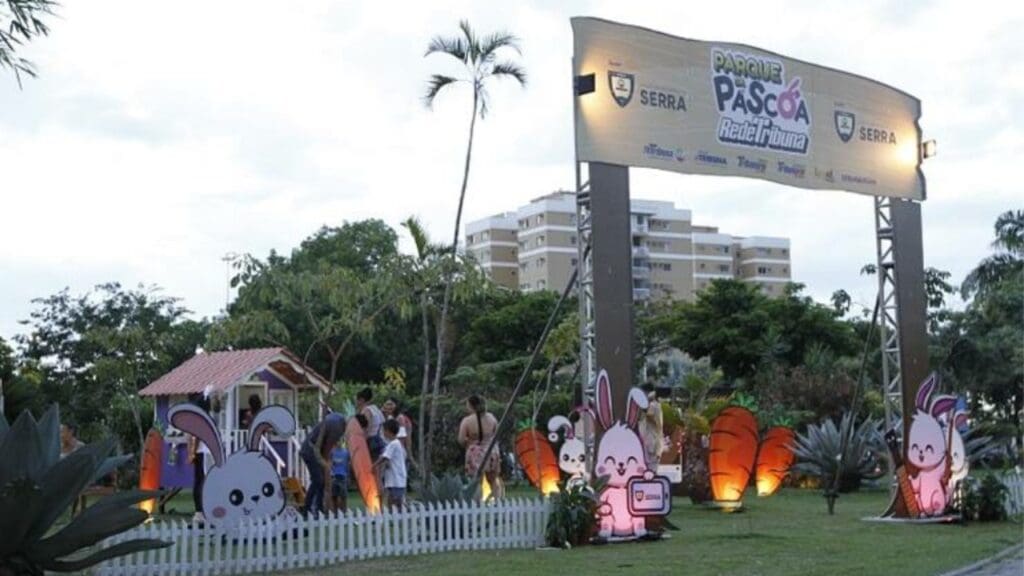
x=388, y=432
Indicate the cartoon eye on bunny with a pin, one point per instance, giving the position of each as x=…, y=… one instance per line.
x=572, y=456
x=245, y=484
x=620, y=456
x=925, y=454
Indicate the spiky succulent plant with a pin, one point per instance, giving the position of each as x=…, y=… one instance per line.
x=37, y=487
x=817, y=451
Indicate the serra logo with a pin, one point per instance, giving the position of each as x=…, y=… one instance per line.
x=660, y=99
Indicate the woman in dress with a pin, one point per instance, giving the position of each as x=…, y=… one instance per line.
x=475, y=433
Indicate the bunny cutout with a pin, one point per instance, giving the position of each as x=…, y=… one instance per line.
x=572, y=456
x=245, y=484
x=620, y=456
x=926, y=454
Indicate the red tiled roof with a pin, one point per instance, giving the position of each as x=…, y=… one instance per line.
x=219, y=369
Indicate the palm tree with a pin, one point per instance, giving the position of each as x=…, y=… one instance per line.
x=20, y=21
x=1007, y=263
x=480, y=64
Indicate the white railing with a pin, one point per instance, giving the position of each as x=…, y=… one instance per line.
x=291, y=542
x=1014, y=483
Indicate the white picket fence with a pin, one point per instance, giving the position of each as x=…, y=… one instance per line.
x=1014, y=483
x=291, y=542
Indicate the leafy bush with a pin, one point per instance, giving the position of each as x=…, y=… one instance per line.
x=37, y=487
x=817, y=452
x=448, y=488
x=984, y=501
x=573, y=516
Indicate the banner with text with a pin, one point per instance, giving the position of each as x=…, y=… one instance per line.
x=695, y=107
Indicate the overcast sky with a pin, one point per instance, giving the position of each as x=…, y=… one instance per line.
x=162, y=135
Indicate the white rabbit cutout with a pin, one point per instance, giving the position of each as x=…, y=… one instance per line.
x=245, y=484
x=572, y=456
x=926, y=453
x=620, y=456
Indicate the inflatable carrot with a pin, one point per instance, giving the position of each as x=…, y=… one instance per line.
x=537, y=458
x=152, y=462
x=774, y=459
x=732, y=452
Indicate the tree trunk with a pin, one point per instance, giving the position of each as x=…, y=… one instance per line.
x=425, y=389
x=449, y=280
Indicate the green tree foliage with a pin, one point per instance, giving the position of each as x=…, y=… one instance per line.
x=1008, y=261
x=95, y=351
x=20, y=22
x=508, y=325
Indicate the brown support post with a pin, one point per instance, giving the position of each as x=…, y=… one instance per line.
x=911, y=304
x=612, y=256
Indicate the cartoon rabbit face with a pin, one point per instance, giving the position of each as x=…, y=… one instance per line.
x=927, y=446
x=244, y=485
x=572, y=456
x=620, y=456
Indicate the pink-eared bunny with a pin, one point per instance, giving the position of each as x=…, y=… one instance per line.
x=620, y=456
x=572, y=456
x=245, y=484
x=926, y=454
x=944, y=408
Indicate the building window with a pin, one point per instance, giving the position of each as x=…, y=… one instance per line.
x=540, y=219
x=785, y=252
x=725, y=249
x=540, y=240
x=469, y=239
x=763, y=270
x=764, y=251
x=524, y=285
x=572, y=239
x=542, y=284
x=723, y=267
x=487, y=235
x=572, y=219
x=523, y=265
x=541, y=262
x=702, y=266
x=785, y=269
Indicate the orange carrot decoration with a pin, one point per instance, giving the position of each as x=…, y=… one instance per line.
x=537, y=458
x=732, y=452
x=774, y=459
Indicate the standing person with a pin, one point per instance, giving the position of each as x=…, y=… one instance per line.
x=68, y=440
x=316, y=454
x=374, y=420
x=255, y=405
x=651, y=428
x=475, y=433
x=339, y=476
x=393, y=408
x=392, y=463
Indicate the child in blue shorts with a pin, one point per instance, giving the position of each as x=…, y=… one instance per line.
x=339, y=476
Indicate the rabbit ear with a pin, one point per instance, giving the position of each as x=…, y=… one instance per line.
x=942, y=405
x=637, y=402
x=277, y=418
x=557, y=422
x=924, y=392
x=195, y=421
x=604, y=400
x=960, y=421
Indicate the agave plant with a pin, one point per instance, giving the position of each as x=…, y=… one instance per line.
x=818, y=452
x=37, y=487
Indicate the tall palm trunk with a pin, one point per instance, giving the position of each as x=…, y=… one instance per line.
x=449, y=280
x=426, y=383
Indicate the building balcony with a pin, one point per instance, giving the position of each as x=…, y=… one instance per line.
x=641, y=272
x=641, y=293
x=641, y=252
x=638, y=229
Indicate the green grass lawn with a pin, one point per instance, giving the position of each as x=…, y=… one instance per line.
x=790, y=533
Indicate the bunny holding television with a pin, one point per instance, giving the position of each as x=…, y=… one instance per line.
x=245, y=484
x=620, y=457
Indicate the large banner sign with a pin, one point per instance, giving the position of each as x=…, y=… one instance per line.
x=695, y=107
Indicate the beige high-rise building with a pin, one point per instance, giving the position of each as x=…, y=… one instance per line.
x=535, y=248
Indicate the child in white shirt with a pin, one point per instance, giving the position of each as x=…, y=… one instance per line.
x=392, y=463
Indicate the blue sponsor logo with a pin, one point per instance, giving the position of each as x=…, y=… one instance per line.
x=756, y=164
x=793, y=170
x=854, y=179
x=657, y=152
x=708, y=158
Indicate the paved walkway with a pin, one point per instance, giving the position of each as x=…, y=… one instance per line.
x=1010, y=565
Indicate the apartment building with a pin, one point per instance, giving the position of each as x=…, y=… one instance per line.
x=536, y=248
